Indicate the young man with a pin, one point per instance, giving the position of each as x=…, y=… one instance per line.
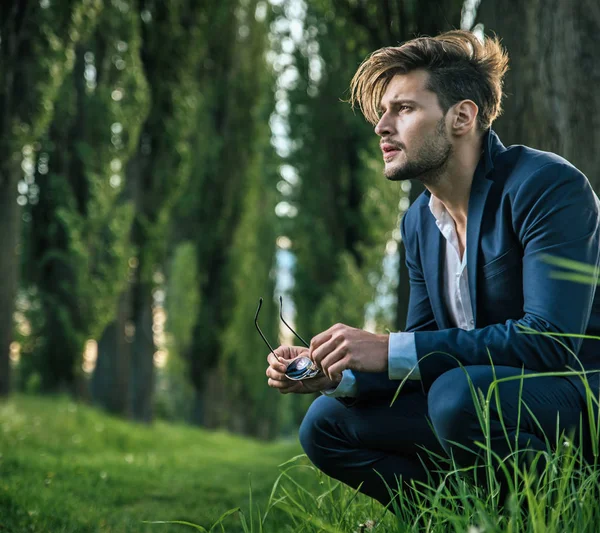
x=483, y=286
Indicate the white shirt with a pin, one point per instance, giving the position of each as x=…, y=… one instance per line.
x=402, y=351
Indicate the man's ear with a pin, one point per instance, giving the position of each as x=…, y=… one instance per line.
x=464, y=117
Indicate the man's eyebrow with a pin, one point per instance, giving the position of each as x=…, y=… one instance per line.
x=398, y=101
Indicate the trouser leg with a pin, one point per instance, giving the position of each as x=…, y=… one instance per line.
x=372, y=444
x=554, y=405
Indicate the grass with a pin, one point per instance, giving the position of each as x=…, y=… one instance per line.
x=70, y=468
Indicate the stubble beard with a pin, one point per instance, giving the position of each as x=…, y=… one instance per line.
x=431, y=160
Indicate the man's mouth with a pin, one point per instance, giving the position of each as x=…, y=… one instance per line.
x=389, y=150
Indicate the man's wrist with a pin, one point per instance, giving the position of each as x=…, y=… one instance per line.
x=346, y=387
x=402, y=356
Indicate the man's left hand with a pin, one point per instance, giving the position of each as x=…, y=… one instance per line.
x=342, y=347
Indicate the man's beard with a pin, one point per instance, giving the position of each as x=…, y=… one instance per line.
x=430, y=162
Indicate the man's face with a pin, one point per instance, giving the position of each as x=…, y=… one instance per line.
x=412, y=128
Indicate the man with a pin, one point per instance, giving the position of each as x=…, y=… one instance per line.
x=483, y=284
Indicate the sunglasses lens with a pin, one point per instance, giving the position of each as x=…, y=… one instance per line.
x=301, y=368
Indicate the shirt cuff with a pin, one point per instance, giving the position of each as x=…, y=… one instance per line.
x=346, y=388
x=402, y=356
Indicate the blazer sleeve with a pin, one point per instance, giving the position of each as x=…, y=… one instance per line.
x=554, y=213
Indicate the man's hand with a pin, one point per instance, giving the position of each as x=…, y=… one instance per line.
x=278, y=379
x=341, y=347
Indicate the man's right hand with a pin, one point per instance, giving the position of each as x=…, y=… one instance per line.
x=278, y=379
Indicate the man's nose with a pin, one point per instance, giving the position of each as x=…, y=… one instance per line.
x=383, y=127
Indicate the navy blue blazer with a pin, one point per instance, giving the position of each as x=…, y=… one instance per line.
x=524, y=206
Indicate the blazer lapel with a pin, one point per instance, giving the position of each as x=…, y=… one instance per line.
x=434, y=261
x=479, y=193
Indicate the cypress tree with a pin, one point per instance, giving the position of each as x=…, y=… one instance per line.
x=78, y=240
x=36, y=54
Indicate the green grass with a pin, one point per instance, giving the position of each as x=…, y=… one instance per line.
x=70, y=468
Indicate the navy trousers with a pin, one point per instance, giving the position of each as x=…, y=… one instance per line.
x=375, y=444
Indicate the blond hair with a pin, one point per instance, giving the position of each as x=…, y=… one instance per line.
x=460, y=67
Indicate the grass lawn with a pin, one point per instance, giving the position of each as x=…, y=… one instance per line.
x=70, y=468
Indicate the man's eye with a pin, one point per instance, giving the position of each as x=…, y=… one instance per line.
x=403, y=108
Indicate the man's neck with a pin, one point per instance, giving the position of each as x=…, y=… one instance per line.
x=453, y=187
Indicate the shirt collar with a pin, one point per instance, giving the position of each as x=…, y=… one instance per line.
x=437, y=209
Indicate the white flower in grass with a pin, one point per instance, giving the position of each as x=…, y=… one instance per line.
x=566, y=444
x=369, y=525
x=475, y=529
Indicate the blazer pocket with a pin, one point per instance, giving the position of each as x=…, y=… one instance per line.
x=501, y=263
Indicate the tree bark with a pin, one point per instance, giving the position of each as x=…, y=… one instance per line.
x=110, y=383
x=552, y=100
x=142, y=354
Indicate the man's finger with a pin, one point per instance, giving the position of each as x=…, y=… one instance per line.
x=319, y=339
x=277, y=384
x=283, y=386
x=274, y=374
x=296, y=387
x=323, y=351
x=332, y=359
x=274, y=363
x=336, y=369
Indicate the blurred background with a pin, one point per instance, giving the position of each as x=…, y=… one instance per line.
x=163, y=165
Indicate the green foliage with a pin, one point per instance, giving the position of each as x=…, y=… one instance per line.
x=173, y=393
x=347, y=211
x=251, y=261
x=79, y=240
x=244, y=353
x=227, y=211
x=172, y=50
x=53, y=34
x=173, y=390
x=183, y=298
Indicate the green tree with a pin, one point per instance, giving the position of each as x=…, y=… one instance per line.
x=171, y=49
x=174, y=391
x=37, y=43
x=250, y=406
x=78, y=237
x=228, y=147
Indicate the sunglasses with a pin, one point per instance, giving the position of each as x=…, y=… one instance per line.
x=300, y=368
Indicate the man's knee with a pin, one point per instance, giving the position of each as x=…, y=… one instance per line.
x=309, y=430
x=317, y=432
x=452, y=410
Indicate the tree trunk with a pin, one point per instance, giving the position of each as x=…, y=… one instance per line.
x=551, y=92
x=110, y=383
x=9, y=267
x=142, y=354
x=198, y=415
x=102, y=380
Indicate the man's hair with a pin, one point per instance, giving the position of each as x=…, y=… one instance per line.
x=460, y=67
